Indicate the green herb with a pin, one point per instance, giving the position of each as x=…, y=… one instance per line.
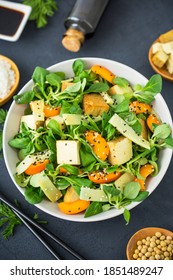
x=153, y=87
x=41, y=10
x=24, y=98
x=78, y=67
x=33, y=195
x=36, y=217
x=154, y=84
x=97, y=87
x=110, y=190
x=126, y=215
x=131, y=190
x=122, y=82
x=162, y=131
x=3, y=114
x=8, y=220
x=141, y=196
x=94, y=209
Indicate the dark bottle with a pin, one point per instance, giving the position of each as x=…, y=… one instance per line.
x=82, y=21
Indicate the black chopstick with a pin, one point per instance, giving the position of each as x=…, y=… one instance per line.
x=42, y=229
x=39, y=237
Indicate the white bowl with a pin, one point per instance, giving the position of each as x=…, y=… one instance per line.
x=16, y=111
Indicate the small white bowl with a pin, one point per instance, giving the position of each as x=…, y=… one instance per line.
x=17, y=7
x=16, y=111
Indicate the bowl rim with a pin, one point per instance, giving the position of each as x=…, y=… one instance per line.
x=17, y=79
x=113, y=212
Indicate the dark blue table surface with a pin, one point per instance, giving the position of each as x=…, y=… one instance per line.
x=124, y=34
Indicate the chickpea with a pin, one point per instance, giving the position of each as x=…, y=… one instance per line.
x=148, y=254
x=157, y=257
x=162, y=237
x=150, y=249
x=169, y=249
x=156, y=247
x=158, y=252
x=163, y=249
x=135, y=256
x=169, y=237
x=152, y=244
x=143, y=251
x=166, y=254
x=147, y=243
x=163, y=243
x=158, y=234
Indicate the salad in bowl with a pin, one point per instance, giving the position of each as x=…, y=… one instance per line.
x=90, y=139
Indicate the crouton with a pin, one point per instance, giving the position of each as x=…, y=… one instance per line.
x=166, y=37
x=160, y=58
x=120, y=150
x=94, y=104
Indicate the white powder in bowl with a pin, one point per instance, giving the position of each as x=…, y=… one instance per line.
x=7, y=78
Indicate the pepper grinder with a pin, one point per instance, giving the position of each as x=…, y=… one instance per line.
x=81, y=22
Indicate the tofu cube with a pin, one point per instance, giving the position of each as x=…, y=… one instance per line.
x=58, y=119
x=72, y=119
x=119, y=90
x=160, y=58
x=120, y=150
x=37, y=108
x=29, y=120
x=156, y=47
x=68, y=152
x=168, y=47
x=169, y=64
x=94, y=104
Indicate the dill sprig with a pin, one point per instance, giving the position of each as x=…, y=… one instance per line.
x=8, y=220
